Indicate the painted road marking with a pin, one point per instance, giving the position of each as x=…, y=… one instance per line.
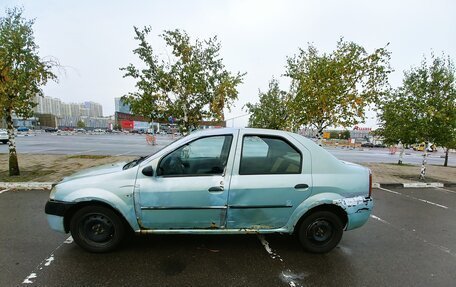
x=2, y=191
x=445, y=190
x=416, y=198
x=128, y=152
x=38, y=150
x=414, y=235
x=85, y=151
x=287, y=276
x=45, y=263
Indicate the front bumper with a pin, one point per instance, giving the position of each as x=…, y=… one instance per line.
x=56, y=211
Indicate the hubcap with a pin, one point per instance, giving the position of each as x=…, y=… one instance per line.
x=97, y=228
x=320, y=231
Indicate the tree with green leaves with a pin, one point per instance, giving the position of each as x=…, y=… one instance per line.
x=22, y=74
x=344, y=135
x=80, y=124
x=271, y=112
x=423, y=109
x=335, y=89
x=191, y=85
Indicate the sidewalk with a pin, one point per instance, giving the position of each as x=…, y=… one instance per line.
x=386, y=173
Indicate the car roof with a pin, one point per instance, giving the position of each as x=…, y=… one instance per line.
x=217, y=131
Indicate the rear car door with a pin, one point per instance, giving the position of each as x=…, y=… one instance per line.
x=271, y=177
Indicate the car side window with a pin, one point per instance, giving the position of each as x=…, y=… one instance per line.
x=269, y=155
x=204, y=156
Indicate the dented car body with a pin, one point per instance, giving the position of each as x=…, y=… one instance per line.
x=218, y=181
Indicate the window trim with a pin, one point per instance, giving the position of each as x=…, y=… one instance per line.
x=272, y=137
x=189, y=142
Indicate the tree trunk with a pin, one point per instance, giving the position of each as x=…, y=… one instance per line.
x=401, y=155
x=446, y=157
x=319, y=136
x=184, y=127
x=423, y=164
x=13, y=163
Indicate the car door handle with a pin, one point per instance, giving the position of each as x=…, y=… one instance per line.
x=301, y=185
x=216, y=189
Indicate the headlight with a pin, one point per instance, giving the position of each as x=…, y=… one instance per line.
x=53, y=191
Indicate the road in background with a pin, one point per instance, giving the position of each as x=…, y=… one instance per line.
x=409, y=241
x=134, y=144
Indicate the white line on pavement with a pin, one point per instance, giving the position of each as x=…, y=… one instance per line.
x=84, y=151
x=416, y=198
x=445, y=190
x=38, y=150
x=412, y=234
x=286, y=276
x=2, y=191
x=45, y=262
x=128, y=152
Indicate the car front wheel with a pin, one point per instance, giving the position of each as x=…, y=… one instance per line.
x=97, y=229
x=320, y=232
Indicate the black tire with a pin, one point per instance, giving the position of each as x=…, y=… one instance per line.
x=4, y=142
x=97, y=229
x=320, y=232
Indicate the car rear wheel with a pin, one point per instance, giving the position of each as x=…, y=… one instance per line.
x=97, y=229
x=320, y=232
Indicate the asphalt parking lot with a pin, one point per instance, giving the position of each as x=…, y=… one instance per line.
x=410, y=240
x=135, y=145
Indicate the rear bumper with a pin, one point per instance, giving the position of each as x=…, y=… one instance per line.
x=359, y=213
x=55, y=211
x=358, y=210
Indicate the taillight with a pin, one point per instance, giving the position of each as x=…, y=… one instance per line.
x=370, y=183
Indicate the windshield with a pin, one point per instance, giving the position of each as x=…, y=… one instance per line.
x=137, y=161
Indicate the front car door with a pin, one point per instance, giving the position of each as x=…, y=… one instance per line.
x=271, y=177
x=187, y=190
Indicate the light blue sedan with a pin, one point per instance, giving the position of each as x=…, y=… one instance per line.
x=217, y=181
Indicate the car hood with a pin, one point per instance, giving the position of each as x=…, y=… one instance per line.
x=94, y=171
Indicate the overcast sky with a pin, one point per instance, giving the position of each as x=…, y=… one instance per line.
x=92, y=39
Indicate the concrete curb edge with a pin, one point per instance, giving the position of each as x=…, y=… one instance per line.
x=26, y=185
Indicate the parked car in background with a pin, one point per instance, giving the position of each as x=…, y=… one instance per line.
x=51, y=130
x=367, y=145
x=421, y=147
x=3, y=136
x=22, y=129
x=217, y=181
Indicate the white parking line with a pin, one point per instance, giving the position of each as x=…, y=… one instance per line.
x=84, y=151
x=45, y=262
x=2, y=191
x=413, y=234
x=286, y=276
x=128, y=152
x=445, y=190
x=38, y=150
x=416, y=198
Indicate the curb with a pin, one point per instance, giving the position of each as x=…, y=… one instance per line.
x=413, y=184
x=26, y=185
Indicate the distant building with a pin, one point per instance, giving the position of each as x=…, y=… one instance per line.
x=93, y=109
x=60, y=114
x=121, y=106
x=54, y=106
x=361, y=134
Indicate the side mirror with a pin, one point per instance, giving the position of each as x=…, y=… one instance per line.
x=148, y=171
